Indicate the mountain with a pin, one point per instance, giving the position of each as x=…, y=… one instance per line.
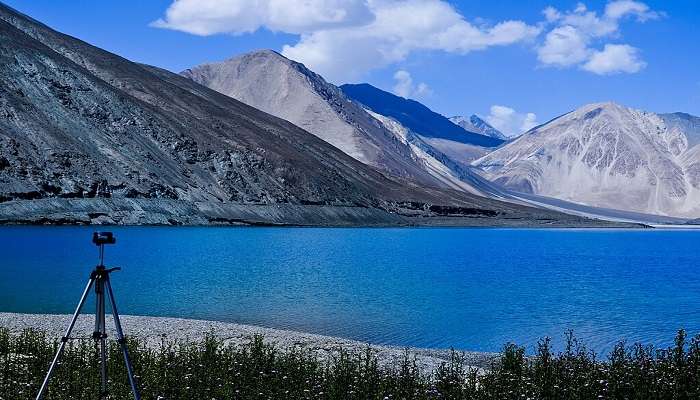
x=478, y=125
x=287, y=89
x=270, y=82
x=687, y=124
x=610, y=156
x=89, y=137
x=460, y=145
x=453, y=174
x=415, y=115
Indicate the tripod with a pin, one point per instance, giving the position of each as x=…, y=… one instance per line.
x=99, y=278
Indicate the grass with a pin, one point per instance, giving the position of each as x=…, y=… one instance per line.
x=211, y=369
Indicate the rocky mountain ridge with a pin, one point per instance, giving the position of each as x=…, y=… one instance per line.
x=607, y=155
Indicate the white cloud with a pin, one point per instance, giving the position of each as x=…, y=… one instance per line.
x=529, y=122
x=399, y=29
x=404, y=83
x=564, y=46
x=343, y=39
x=615, y=58
x=509, y=121
x=208, y=17
x=580, y=8
x=573, y=35
x=622, y=8
x=405, y=88
x=551, y=14
x=423, y=90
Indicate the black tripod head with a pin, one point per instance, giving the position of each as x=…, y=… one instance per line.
x=100, y=239
x=103, y=238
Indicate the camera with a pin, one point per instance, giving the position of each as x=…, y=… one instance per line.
x=102, y=238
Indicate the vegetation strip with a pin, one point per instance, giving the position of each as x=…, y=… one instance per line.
x=211, y=369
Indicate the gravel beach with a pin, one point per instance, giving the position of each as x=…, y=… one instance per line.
x=155, y=329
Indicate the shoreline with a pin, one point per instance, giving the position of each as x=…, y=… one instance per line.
x=153, y=330
x=628, y=227
x=138, y=211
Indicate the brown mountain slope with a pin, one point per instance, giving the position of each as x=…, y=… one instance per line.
x=87, y=136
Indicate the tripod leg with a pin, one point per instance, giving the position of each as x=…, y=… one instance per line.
x=101, y=333
x=103, y=360
x=64, y=339
x=122, y=341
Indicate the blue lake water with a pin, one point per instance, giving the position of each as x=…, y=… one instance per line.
x=472, y=289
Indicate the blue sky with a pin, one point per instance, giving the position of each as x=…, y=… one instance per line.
x=510, y=61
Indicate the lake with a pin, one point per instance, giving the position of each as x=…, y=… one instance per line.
x=472, y=289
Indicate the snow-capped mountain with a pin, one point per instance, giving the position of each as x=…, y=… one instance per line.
x=610, y=156
x=477, y=125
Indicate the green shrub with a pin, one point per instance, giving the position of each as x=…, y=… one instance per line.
x=212, y=369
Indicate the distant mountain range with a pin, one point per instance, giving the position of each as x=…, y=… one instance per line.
x=287, y=89
x=593, y=161
x=415, y=116
x=478, y=125
x=607, y=155
x=89, y=137
x=460, y=145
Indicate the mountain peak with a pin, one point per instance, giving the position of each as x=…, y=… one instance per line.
x=603, y=105
x=266, y=61
x=261, y=56
x=261, y=53
x=683, y=115
x=586, y=112
x=476, y=124
x=606, y=104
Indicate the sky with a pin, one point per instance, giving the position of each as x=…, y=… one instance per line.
x=514, y=63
